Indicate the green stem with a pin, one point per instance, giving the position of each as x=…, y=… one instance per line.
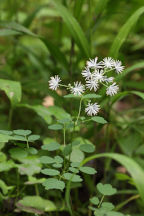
x=121, y=205
x=79, y=111
x=101, y=201
x=27, y=143
x=64, y=134
x=10, y=117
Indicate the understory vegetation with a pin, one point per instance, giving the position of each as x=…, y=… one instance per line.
x=72, y=108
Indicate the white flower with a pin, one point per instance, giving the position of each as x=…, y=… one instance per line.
x=118, y=66
x=54, y=82
x=92, y=109
x=98, y=75
x=92, y=63
x=108, y=79
x=86, y=73
x=92, y=84
x=112, y=89
x=78, y=88
x=108, y=62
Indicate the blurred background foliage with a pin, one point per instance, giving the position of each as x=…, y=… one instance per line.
x=39, y=39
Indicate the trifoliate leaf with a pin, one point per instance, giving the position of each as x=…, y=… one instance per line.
x=53, y=146
x=88, y=170
x=46, y=160
x=55, y=127
x=72, y=177
x=88, y=148
x=106, y=189
x=99, y=119
x=50, y=172
x=94, y=200
x=52, y=183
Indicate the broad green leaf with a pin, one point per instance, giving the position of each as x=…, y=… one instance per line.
x=32, y=150
x=88, y=148
x=4, y=138
x=52, y=183
x=55, y=127
x=50, y=172
x=72, y=177
x=124, y=31
x=17, y=153
x=58, y=112
x=7, y=165
x=73, y=27
x=33, y=138
x=52, y=146
x=32, y=203
x=46, y=160
x=22, y=132
x=76, y=155
x=94, y=200
x=99, y=119
x=71, y=96
x=3, y=187
x=88, y=170
x=12, y=90
x=67, y=150
x=42, y=111
x=57, y=165
x=132, y=167
x=2, y=157
x=90, y=96
x=6, y=132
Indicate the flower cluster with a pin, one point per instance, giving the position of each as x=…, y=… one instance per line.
x=96, y=74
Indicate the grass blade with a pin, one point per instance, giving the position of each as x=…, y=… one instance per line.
x=124, y=31
x=73, y=27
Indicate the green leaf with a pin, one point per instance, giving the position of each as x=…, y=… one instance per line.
x=57, y=165
x=132, y=167
x=72, y=177
x=8, y=32
x=99, y=119
x=55, y=127
x=124, y=31
x=90, y=96
x=88, y=170
x=52, y=146
x=73, y=27
x=22, y=132
x=107, y=206
x=42, y=111
x=58, y=112
x=50, y=172
x=94, y=200
x=58, y=159
x=32, y=150
x=76, y=155
x=106, y=189
x=7, y=165
x=88, y=148
x=71, y=96
x=140, y=94
x=100, y=6
x=74, y=170
x=6, y=132
x=52, y=183
x=17, y=27
x=32, y=203
x=67, y=150
x=46, y=160
x=12, y=89
x=18, y=153
x=3, y=187
x=33, y=138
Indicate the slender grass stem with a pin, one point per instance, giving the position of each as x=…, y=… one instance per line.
x=10, y=117
x=101, y=201
x=64, y=135
x=121, y=205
